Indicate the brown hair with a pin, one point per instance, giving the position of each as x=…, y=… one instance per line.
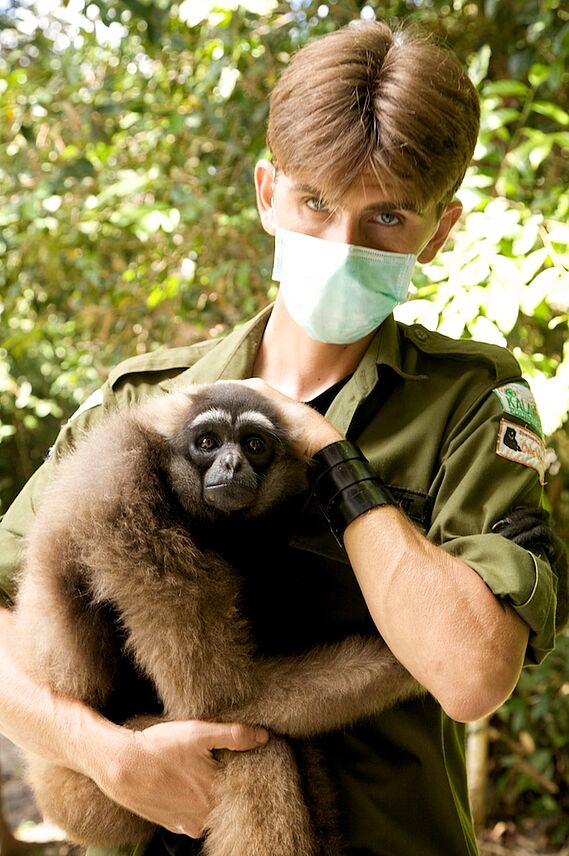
x=365, y=100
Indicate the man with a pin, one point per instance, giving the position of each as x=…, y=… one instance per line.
x=371, y=133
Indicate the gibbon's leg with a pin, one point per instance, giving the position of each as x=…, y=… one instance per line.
x=327, y=687
x=320, y=797
x=261, y=809
x=77, y=806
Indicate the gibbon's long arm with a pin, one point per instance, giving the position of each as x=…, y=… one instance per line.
x=327, y=687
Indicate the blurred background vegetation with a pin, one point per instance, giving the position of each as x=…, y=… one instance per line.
x=128, y=134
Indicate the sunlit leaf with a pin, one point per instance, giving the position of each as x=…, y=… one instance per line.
x=558, y=292
x=500, y=117
x=552, y=111
x=532, y=263
x=526, y=240
x=539, y=73
x=478, y=67
x=536, y=291
x=558, y=233
x=506, y=87
x=418, y=311
x=503, y=304
x=539, y=153
x=484, y=330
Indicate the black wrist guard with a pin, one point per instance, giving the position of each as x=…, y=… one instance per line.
x=344, y=485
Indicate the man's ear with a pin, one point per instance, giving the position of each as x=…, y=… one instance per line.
x=264, y=183
x=449, y=217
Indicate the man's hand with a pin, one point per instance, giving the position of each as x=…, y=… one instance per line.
x=166, y=772
x=310, y=431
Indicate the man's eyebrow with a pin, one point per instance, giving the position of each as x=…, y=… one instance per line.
x=386, y=205
x=305, y=188
x=401, y=205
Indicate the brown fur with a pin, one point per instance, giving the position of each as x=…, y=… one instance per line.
x=105, y=535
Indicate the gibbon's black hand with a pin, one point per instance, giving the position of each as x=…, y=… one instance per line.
x=531, y=529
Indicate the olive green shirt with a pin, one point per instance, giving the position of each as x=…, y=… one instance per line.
x=449, y=428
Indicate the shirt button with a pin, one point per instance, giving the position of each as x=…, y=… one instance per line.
x=421, y=335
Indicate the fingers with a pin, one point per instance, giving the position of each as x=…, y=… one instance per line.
x=234, y=736
x=309, y=430
x=165, y=771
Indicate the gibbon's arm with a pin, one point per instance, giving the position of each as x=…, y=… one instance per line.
x=165, y=773
x=328, y=687
x=434, y=611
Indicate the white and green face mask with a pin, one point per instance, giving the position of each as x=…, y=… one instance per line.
x=338, y=293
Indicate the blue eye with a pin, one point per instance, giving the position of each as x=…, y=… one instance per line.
x=316, y=204
x=386, y=218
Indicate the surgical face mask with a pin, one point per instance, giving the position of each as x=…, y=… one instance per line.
x=338, y=293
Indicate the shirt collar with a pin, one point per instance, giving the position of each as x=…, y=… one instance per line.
x=389, y=350
x=384, y=351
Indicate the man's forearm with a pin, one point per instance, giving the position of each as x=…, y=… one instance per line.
x=58, y=729
x=436, y=614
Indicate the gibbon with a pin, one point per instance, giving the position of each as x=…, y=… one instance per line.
x=131, y=559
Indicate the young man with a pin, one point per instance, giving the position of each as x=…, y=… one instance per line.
x=371, y=133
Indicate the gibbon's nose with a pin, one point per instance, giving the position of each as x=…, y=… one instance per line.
x=232, y=460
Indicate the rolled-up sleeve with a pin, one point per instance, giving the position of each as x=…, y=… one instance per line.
x=515, y=574
x=476, y=486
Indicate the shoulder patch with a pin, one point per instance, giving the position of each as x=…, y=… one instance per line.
x=517, y=400
x=94, y=400
x=516, y=443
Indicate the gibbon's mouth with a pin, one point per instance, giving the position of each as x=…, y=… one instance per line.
x=229, y=497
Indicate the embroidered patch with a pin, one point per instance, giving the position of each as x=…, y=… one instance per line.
x=518, y=401
x=518, y=444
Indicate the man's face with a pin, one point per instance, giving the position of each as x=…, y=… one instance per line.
x=367, y=216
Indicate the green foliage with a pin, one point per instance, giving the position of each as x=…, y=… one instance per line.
x=530, y=757
x=123, y=218
x=128, y=135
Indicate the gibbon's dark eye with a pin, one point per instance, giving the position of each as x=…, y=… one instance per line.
x=255, y=445
x=207, y=443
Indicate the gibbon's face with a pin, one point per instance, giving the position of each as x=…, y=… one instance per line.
x=238, y=451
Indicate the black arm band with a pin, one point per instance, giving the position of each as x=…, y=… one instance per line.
x=344, y=485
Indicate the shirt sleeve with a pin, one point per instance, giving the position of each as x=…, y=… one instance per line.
x=485, y=473
x=17, y=519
